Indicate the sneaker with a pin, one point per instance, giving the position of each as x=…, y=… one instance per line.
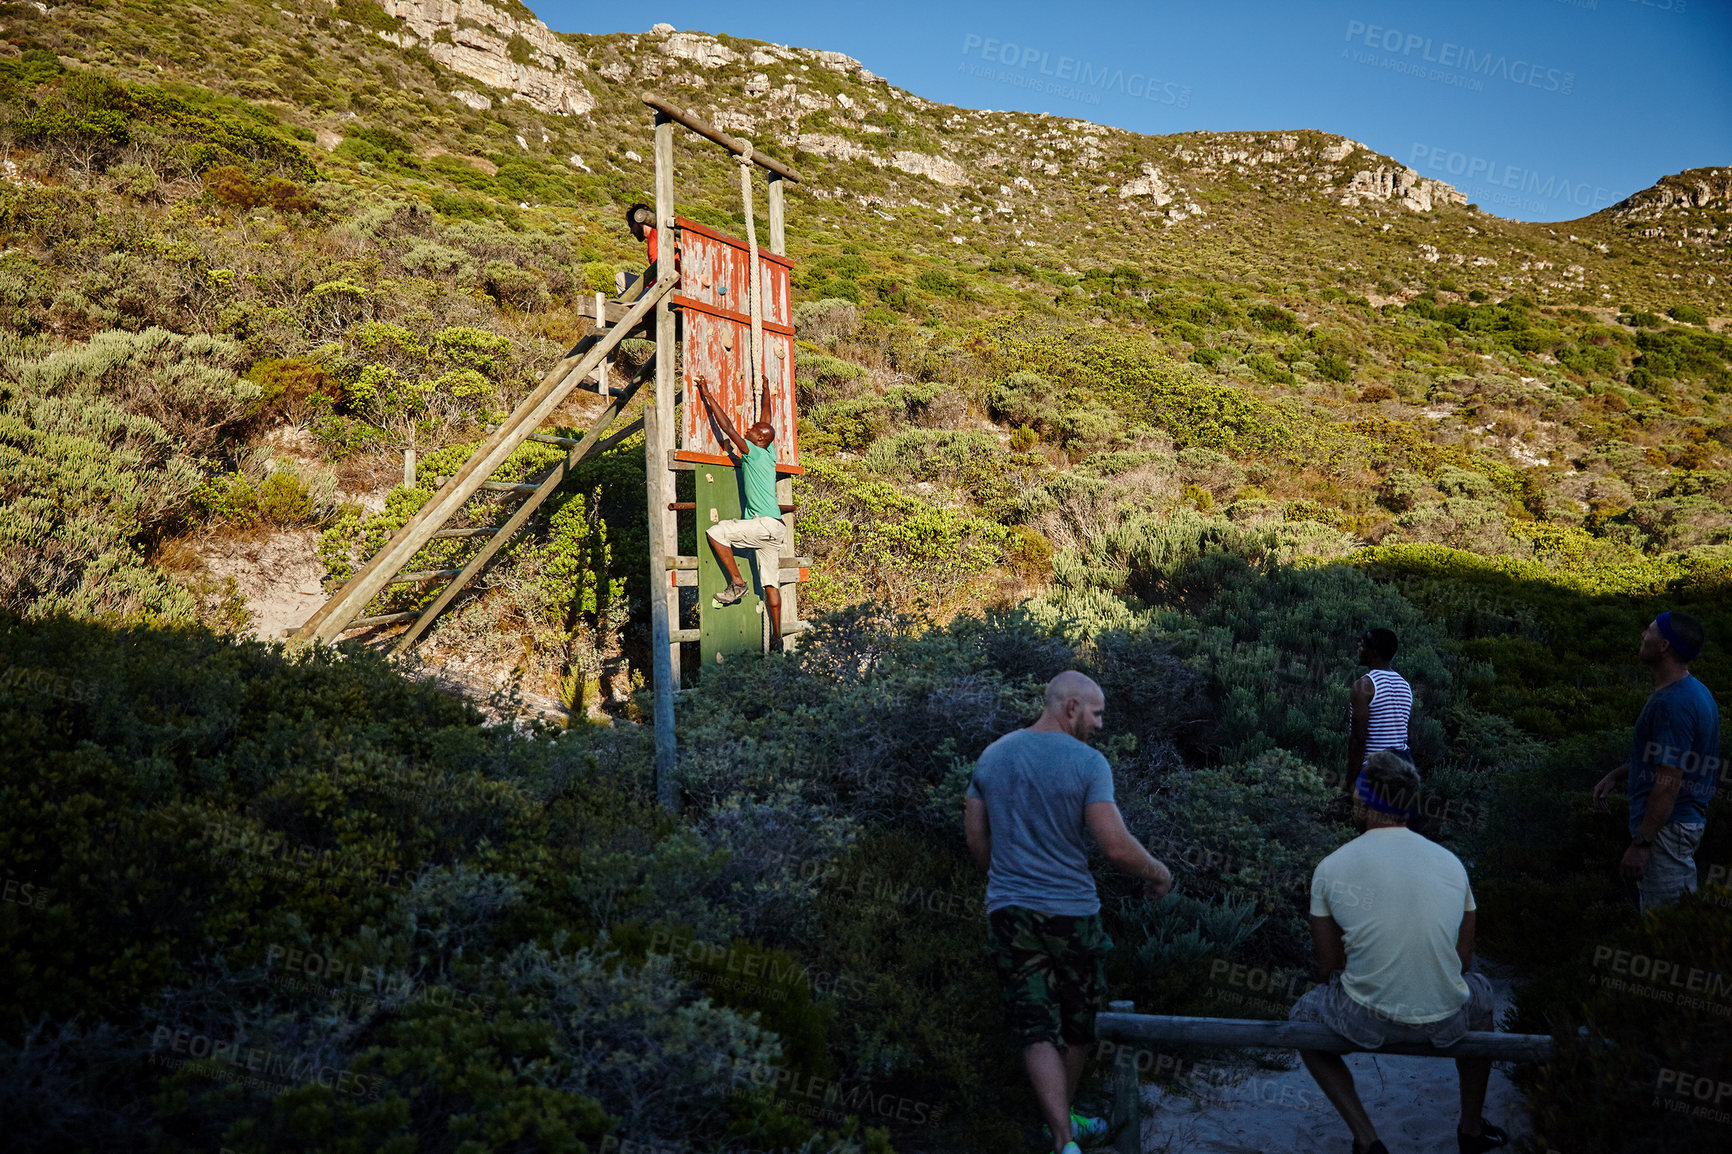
x=1488, y=1138
x=731, y=594
x=1083, y=1129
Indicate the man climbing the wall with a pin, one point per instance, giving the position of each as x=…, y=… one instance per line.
x=1033, y=793
x=1674, y=766
x=760, y=528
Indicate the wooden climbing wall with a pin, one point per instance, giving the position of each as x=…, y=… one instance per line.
x=716, y=318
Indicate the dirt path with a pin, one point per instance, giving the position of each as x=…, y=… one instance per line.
x=1414, y=1102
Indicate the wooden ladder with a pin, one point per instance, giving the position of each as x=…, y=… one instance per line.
x=343, y=612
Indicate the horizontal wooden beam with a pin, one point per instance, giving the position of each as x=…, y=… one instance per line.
x=684, y=634
x=483, y=531
x=508, y=486
x=382, y=619
x=710, y=132
x=585, y=307
x=423, y=575
x=683, y=562
x=1275, y=1034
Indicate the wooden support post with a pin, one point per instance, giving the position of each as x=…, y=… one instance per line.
x=658, y=451
x=778, y=217
x=408, y=468
x=1127, y=1115
x=784, y=485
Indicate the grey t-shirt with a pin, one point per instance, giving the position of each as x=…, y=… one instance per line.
x=1035, y=786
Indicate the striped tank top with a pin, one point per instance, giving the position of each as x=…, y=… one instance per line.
x=1391, y=706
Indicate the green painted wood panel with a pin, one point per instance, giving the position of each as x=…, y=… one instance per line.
x=725, y=631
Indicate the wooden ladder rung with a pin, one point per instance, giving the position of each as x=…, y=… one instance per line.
x=382, y=619
x=509, y=487
x=484, y=531
x=423, y=575
x=685, y=634
x=683, y=562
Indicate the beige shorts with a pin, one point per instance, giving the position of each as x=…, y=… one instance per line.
x=1329, y=1005
x=763, y=537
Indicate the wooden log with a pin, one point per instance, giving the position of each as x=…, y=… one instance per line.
x=710, y=132
x=1275, y=1034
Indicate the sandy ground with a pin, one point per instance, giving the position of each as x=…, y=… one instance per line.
x=1413, y=1102
x=278, y=574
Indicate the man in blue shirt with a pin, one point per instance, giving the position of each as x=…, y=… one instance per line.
x=1033, y=793
x=1673, y=768
x=760, y=527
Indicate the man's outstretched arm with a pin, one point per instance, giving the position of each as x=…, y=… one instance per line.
x=1124, y=850
x=719, y=417
x=765, y=413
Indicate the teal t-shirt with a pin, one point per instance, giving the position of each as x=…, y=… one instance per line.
x=758, y=481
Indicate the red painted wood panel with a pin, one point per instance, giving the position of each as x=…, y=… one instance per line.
x=715, y=308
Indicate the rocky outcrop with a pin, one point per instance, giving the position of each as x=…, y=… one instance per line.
x=1696, y=188
x=1149, y=184
x=932, y=167
x=1403, y=185
x=475, y=39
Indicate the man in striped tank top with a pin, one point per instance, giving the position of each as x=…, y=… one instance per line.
x=1379, y=708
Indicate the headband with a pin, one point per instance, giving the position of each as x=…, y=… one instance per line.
x=1684, y=652
x=1370, y=798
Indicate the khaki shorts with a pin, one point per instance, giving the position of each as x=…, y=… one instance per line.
x=762, y=536
x=1671, y=871
x=1329, y=1005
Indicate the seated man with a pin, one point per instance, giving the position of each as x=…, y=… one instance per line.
x=1392, y=918
x=760, y=527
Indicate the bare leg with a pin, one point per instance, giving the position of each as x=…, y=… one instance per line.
x=1475, y=1074
x=773, y=606
x=1052, y=1079
x=1074, y=1058
x=1336, y=1082
x=726, y=556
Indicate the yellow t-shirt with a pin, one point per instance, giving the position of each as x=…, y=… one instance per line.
x=1399, y=900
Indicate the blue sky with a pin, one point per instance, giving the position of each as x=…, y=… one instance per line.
x=1537, y=109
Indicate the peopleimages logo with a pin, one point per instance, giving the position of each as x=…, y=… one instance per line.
x=1069, y=76
x=1463, y=64
x=1522, y=182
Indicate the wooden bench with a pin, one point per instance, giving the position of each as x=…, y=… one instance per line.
x=1120, y=1027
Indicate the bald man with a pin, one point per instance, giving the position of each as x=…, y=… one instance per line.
x=1033, y=793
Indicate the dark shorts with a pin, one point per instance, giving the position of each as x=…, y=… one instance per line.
x=1052, y=971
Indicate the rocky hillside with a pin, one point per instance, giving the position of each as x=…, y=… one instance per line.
x=883, y=162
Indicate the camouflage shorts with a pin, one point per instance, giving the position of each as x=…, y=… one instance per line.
x=1052, y=971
